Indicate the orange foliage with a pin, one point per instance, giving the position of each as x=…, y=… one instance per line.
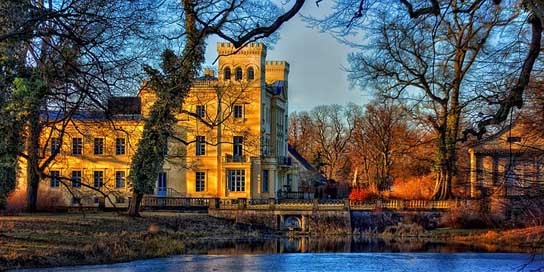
x=360, y=194
x=420, y=188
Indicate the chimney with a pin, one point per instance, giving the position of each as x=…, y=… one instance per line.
x=209, y=72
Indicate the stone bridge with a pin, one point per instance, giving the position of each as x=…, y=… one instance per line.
x=338, y=216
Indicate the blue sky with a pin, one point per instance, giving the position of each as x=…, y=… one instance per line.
x=316, y=60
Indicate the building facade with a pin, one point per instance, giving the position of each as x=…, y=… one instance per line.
x=508, y=168
x=230, y=140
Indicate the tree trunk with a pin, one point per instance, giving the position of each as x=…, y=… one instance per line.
x=445, y=170
x=134, y=208
x=33, y=147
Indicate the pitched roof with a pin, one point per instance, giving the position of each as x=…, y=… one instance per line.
x=293, y=152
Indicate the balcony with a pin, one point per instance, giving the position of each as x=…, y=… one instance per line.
x=231, y=158
x=284, y=161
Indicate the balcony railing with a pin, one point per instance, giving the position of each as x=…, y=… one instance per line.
x=284, y=161
x=295, y=195
x=231, y=158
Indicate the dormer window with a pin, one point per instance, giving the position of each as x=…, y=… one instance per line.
x=226, y=73
x=238, y=75
x=250, y=74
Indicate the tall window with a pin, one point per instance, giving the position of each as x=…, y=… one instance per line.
x=120, y=146
x=200, y=111
x=200, y=182
x=238, y=111
x=162, y=184
x=98, y=146
x=55, y=145
x=237, y=150
x=236, y=180
x=119, y=179
x=76, y=179
x=250, y=74
x=238, y=74
x=55, y=180
x=98, y=179
x=226, y=73
x=265, y=181
x=200, y=145
x=77, y=146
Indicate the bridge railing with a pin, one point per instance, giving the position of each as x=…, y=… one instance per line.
x=336, y=204
x=167, y=202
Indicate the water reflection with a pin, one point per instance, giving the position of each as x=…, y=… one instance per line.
x=340, y=244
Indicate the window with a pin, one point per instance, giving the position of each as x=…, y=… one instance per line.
x=76, y=179
x=120, y=146
x=238, y=74
x=266, y=178
x=55, y=145
x=238, y=111
x=162, y=184
x=513, y=139
x=226, y=74
x=119, y=200
x=77, y=146
x=200, y=145
x=250, y=73
x=55, y=181
x=237, y=150
x=98, y=146
x=200, y=111
x=236, y=180
x=98, y=179
x=200, y=182
x=119, y=179
x=96, y=200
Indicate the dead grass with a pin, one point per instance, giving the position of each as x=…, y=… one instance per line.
x=528, y=240
x=68, y=239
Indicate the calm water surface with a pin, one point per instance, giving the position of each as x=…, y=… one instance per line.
x=325, y=255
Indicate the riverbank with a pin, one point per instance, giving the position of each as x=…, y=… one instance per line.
x=42, y=240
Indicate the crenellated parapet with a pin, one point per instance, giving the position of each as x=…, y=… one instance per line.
x=276, y=70
x=225, y=48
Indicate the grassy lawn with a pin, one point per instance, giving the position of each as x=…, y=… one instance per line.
x=67, y=239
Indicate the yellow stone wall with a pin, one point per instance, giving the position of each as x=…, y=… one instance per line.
x=262, y=112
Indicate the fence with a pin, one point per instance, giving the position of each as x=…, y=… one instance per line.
x=154, y=202
x=336, y=204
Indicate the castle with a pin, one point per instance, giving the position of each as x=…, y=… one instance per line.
x=230, y=140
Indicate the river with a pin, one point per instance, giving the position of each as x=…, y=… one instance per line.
x=316, y=255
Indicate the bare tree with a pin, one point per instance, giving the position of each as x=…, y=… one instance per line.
x=429, y=55
x=381, y=137
x=74, y=57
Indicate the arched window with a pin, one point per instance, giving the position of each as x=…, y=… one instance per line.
x=250, y=74
x=226, y=73
x=238, y=75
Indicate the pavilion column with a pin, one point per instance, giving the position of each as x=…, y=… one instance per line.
x=474, y=190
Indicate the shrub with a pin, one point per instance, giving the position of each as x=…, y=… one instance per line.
x=360, y=194
x=16, y=201
x=49, y=200
x=420, y=188
x=470, y=216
